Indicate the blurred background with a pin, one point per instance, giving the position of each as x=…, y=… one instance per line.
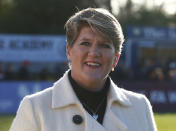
x=32, y=50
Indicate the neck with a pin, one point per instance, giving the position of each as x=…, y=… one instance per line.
x=94, y=85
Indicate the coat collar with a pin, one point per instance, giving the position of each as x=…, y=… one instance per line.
x=118, y=95
x=64, y=95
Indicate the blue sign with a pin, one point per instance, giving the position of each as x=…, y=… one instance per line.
x=162, y=97
x=147, y=38
x=11, y=93
x=152, y=33
x=33, y=48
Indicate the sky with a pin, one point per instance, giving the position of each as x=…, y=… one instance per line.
x=169, y=5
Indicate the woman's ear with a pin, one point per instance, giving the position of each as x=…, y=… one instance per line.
x=116, y=60
x=68, y=52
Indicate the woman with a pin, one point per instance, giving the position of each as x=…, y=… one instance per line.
x=85, y=98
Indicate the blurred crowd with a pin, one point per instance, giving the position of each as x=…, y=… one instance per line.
x=154, y=70
x=27, y=71
x=150, y=69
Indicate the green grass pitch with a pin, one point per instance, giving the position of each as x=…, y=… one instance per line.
x=165, y=122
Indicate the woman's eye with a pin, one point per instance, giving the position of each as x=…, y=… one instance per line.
x=85, y=43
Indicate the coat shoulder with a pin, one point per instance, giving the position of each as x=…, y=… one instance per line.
x=135, y=98
x=41, y=94
x=40, y=99
x=132, y=94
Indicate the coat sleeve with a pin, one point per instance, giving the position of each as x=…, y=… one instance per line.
x=150, y=116
x=25, y=118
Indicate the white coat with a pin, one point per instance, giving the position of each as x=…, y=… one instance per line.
x=53, y=109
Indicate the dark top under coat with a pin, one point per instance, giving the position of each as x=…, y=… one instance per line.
x=92, y=98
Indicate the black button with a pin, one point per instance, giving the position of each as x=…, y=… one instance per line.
x=77, y=119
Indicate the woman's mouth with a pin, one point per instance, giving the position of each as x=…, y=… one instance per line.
x=93, y=64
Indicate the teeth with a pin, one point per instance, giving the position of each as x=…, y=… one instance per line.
x=92, y=64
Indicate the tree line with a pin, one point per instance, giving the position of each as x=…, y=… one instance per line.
x=49, y=16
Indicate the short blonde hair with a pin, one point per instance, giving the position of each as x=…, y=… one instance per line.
x=99, y=19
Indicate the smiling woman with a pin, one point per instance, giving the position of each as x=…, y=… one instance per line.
x=85, y=98
x=91, y=59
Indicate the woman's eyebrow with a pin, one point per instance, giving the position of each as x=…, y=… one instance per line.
x=105, y=42
x=99, y=42
x=84, y=39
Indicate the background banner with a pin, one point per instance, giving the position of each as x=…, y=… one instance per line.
x=161, y=95
x=11, y=93
x=33, y=48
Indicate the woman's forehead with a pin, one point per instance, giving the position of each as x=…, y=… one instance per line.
x=89, y=33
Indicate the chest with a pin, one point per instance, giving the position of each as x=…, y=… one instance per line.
x=115, y=119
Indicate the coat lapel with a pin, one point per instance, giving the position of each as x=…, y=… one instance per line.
x=116, y=95
x=92, y=124
x=63, y=94
x=111, y=121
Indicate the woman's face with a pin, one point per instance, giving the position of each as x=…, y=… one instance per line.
x=92, y=58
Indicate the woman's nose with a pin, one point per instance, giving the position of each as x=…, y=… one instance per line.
x=94, y=52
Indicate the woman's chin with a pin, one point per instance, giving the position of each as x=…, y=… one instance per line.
x=93, y=78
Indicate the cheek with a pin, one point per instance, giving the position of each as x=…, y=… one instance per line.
x=109, y=59
x=75, y=55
